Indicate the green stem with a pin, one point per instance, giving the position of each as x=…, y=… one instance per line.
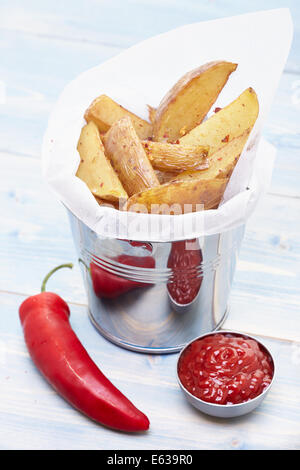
x=68, y=265
x=84, y=264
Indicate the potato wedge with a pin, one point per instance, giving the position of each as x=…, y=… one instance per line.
x=151, y=113
x=165, y=176
x=227, y=124
x=112, y=204
x=175, y=157
x=105, y=112
x=95, y=169
x=189, y=100
x=221, y=163
x=178, y=197
x=128, y=157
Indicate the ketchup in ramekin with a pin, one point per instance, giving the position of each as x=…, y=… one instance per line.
x=225, y=368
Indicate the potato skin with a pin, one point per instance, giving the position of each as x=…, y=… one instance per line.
x=165, y=176
x=151, y=113
x=105, y=112
x=189, y=100
x=171, y=198
x=128, y=157
x=176, y=158
x=175, y=164
x=112, y=204
x=228, y=123
x=95, y=169
x=221, y=163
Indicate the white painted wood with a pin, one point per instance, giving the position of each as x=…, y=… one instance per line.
x=34, y=416
x=125, y=22
x=43, y=45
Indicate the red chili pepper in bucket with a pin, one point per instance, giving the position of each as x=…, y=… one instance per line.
x=108, y=285
x=61, y=358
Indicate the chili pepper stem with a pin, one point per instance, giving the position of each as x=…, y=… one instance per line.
x=84, y=264
x=67, y=265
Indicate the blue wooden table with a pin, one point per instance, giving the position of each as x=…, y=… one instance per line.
x=43, y=45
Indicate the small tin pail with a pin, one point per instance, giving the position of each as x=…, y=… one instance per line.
x=156, y=297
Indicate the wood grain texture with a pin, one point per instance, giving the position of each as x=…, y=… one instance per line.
x=123, y=23
x=37, y=417
x=26, y=69
x=43, y=46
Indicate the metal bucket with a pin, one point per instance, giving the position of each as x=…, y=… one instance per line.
x=156, y=297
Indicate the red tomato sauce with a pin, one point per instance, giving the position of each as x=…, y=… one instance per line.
x=225, y=369
x=185, y=261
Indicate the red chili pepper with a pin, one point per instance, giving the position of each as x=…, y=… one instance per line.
x=145, y=245
x=226, y=138
x=61, y=358
x=185, y=262
x=108, y=285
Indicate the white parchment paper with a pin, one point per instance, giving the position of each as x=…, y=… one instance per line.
x=141, y=75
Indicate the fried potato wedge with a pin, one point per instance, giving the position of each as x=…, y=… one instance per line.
x=151, y=113
x=227, y=124
x=176, y=158
x=129, y=158
x=165, y=176
x=221, y=163
x=179, y=197
x=105, y=112
x=95, y=169
x=189, y=100
x=112, y=204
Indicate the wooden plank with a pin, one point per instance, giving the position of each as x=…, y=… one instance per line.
x=265, y=295
x=286, y=172
x=36, y=417
x=125, y=23
x=33, y=72
x=35, y=237
x=34, y=230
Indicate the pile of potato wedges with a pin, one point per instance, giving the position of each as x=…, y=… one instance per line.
x=180, y=161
